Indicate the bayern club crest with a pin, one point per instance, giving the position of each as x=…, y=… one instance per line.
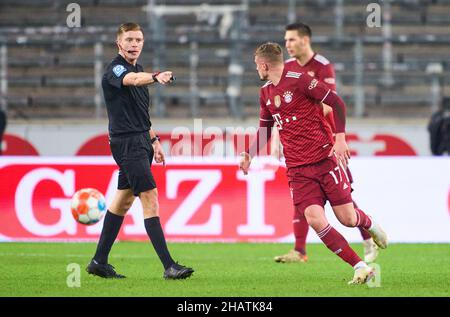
x=287, y=96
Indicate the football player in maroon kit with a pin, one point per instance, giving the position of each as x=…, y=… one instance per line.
x=305, y=60
x=316, y=162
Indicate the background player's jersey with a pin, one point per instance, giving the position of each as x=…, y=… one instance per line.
x=320, y=68
x=293, y=105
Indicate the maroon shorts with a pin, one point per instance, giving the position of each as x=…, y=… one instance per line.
x=314, y=184
x=349, y=174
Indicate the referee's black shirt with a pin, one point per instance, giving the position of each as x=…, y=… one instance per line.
x=127, y=106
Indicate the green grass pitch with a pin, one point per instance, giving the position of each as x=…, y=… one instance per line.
x=221, y=270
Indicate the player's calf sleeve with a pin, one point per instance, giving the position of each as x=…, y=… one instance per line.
x=362, y=220
x=301, y=228
x=110, y=230
x=156, y=235
x=364, y=233
x=338, y=245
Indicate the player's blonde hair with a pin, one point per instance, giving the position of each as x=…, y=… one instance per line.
x=129, y=26
x=271, y=52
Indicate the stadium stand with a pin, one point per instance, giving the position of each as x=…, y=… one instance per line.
x=51, y=68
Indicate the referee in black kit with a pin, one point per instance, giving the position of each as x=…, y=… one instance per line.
x=133, y=145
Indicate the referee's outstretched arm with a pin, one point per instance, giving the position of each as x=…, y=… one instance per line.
x=142, y=78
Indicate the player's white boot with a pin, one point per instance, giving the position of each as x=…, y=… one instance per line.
x=363, y=274
x=378, y=235
x=292, y=256
x=370, y=251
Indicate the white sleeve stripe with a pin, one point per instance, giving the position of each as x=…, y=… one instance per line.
x=264, y=119
x=326, y=95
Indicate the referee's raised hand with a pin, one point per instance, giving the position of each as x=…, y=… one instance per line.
x=164, y=77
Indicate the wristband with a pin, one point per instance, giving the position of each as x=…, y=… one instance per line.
x=154, y=77
x=153, y=140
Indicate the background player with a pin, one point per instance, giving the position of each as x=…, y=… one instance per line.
x=305, y=60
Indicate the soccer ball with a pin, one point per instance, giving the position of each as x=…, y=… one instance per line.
x=88, y=206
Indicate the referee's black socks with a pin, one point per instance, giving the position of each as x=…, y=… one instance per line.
x=156, y=235
x=111, y=228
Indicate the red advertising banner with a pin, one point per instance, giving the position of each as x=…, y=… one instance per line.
x=199, y=200
x=197, y=144
x=221, y=144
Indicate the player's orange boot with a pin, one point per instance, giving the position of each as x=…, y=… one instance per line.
x=292, y=256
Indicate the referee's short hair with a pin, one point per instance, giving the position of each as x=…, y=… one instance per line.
x=129, y=26
x=301, y=28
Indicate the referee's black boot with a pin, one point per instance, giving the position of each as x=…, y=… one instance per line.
x=177, y=272
x=103, y=270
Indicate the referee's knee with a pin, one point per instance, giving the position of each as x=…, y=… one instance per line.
x=151, y=194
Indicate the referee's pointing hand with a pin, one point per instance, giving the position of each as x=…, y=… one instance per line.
x=164, y=77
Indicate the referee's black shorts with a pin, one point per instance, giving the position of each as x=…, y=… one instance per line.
x=134, y=155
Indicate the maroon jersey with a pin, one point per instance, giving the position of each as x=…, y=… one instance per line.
x=320, y=68
x=294, y=107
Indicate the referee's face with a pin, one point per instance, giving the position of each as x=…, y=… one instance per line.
x=130, y=45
